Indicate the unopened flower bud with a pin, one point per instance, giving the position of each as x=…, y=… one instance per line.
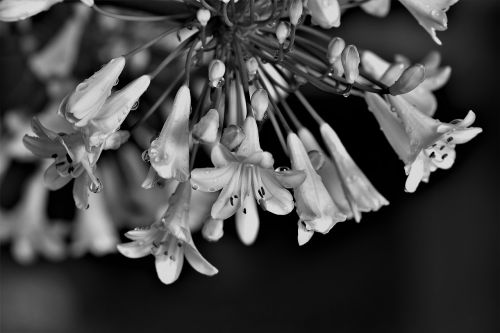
x=232, y=137
x=296, y=10
x=282, y=31
x=350, y=62
x=90, y=95
x=252, y=66
x=411, y=78
x=216, y=72
x=325, y=13
x=260, y=103
x=335, y=48
x=203, y=16
x=213, y=230
x=206, y=129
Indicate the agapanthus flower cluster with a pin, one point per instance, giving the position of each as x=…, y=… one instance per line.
x=241, y=60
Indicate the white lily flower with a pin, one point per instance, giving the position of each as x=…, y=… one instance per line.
x=169, y=240
x=325, y=13
x=430, y=14
x=421, y=97
x=87, y=99
x=94, y=230
x=423, y=143
x=169, y=153
x=109, y=118
x=244, y=174
x=315, y=207
x=71, y=160
x=28, y=227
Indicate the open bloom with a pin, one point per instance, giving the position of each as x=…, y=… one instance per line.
x=16, y=10
x=169, y=240
x=315, y=207
x=71, y=160
x=245, y=174
x=169, y=153
x=424, y=144
x=421, y=97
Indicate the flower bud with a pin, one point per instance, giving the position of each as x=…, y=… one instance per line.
x=16, y=10
x=411, y=78
x=232, y=137
x=350, y=62
x=203, y=16
x=335, y=48
x=260, y=103
x=216, y=72
x=213, y=230
x=206, y=129
x=89, y=96
x=252, y=66
x=296, y=10
x=282, y=31
x=325, y=13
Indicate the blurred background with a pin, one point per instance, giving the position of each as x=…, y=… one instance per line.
x=428, y=262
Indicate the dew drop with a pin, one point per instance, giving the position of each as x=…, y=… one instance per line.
x=116, y=82
x=195, y=187
x=82, y=86
x=211, y=189
x=135, y=106
x=95, y=187
x=282, y=169
x=145, y=156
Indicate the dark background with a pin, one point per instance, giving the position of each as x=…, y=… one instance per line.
x=429, y=262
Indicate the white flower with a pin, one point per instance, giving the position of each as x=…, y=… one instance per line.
x=169, y=153
x=421, y=97
x=315, y=207
x=28, y=227
x=87, y=99
x=114, y=111
x=71, y=160
x=244, y=174
x=325, y=13
x=424, y=144
x=94, y=230
x=169, y=240
x=430, y=14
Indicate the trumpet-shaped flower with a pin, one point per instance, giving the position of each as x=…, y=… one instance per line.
x=71, y=160
x=348, y=186
x=430, y=14
x=87, y=99
x=315, y=207
x=244, y=174
x=421, y=97
x=114, y=111
x=169, y=240
x=424, y=144
x=169, y=153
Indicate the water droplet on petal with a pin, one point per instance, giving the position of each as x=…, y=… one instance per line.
x=145, y=156
x=116, y=82
x=195, y=187
x=211, y=189
x=282, y=169
x=95, y=187
x=135, y=106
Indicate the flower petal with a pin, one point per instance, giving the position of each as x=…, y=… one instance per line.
x=81, y=191
x=272, y=197
x=197, y=261
x=247, y=221
x=229, y=199
x=53, y=180
x=212, y=179
x=303, y=234
x=134, y=249
x=168, y=267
